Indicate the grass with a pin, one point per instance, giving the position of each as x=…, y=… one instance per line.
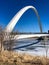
x=15, y=58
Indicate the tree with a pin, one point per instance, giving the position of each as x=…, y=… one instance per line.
x=9, y=41
x=1, y=38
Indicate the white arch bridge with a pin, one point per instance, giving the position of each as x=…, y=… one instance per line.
x=9, y=28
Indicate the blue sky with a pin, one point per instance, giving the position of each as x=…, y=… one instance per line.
x=28, y=22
